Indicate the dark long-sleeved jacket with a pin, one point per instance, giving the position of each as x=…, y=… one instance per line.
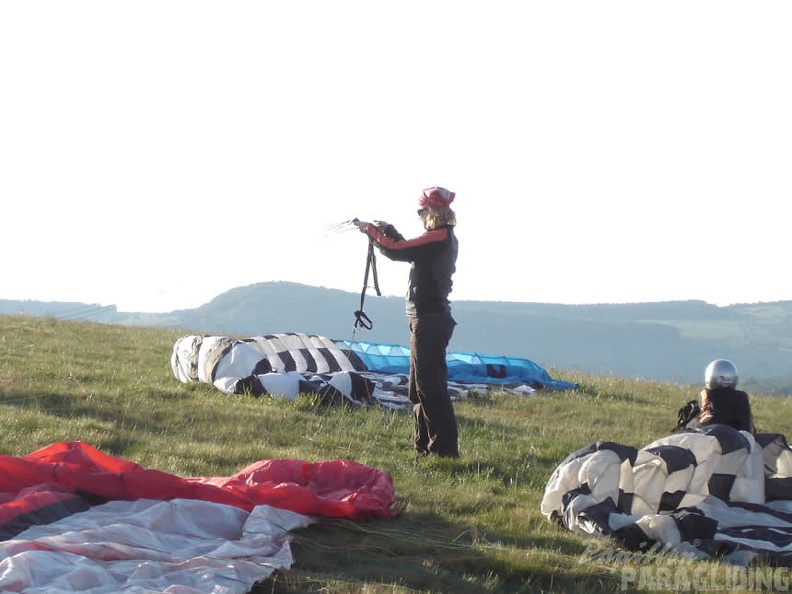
x=728, y=407
x=433, y=257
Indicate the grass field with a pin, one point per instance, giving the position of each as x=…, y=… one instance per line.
x=466, y=525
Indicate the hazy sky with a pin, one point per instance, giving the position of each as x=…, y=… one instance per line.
x=154, y=154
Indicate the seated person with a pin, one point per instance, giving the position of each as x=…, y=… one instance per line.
x=721, y=402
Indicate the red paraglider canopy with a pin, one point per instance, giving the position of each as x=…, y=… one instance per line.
x=66, y=477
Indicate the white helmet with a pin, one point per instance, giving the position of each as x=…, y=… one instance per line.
x=721, y=373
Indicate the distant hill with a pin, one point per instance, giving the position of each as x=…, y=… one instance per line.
x=666, y=341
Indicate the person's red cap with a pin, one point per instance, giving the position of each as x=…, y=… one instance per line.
x=436, y=197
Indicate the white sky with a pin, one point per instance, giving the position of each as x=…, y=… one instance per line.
x=154, y=154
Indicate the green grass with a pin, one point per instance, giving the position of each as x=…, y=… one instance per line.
x=468, y=525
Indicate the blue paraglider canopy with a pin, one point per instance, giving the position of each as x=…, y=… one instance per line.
x=464, y=367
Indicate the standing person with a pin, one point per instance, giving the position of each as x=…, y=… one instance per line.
x=721, y=401
x=433, y=258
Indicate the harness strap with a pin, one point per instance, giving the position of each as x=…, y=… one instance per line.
x=361, y=319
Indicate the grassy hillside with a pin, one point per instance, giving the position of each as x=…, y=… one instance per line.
x=665, y=341
x=467, y=525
